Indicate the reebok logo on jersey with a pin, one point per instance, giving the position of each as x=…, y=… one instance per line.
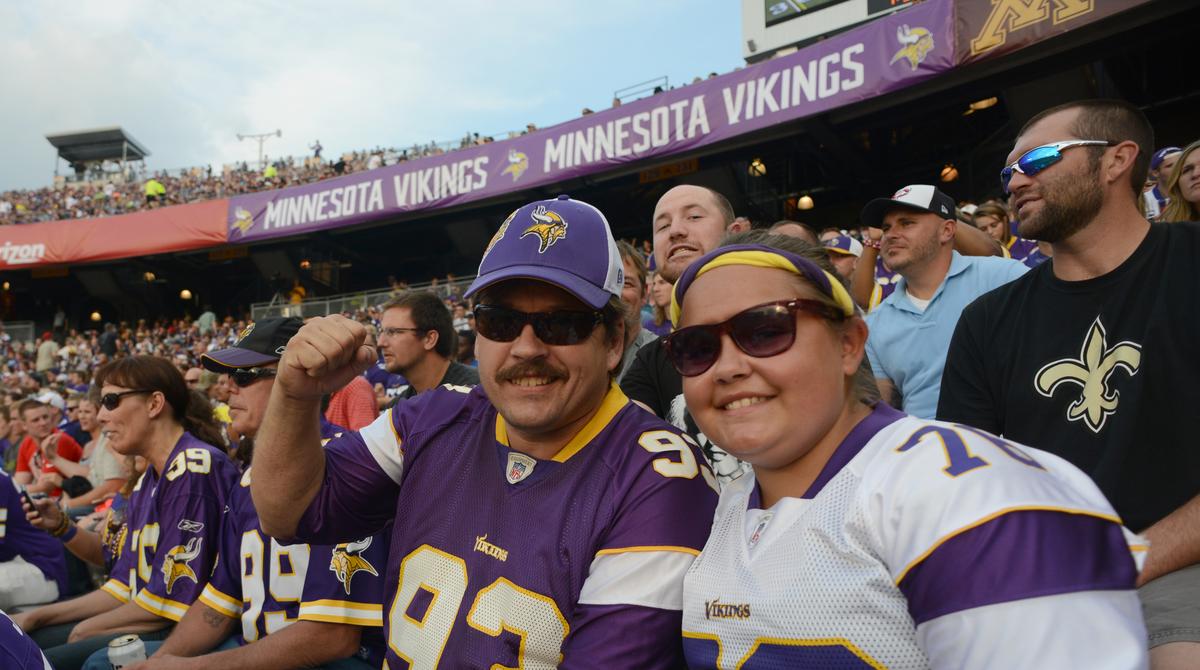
x=189, y=526
x=715, y=609
x=1092, y=370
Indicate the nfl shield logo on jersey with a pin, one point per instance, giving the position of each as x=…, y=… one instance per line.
x=519, y=467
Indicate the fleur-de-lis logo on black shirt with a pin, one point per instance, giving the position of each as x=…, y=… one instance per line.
x=1092, y=370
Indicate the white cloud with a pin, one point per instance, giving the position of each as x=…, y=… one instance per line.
x=186, y=79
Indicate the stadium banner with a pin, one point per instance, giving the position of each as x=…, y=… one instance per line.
x=888, y=54
x=178, y=228
x=990, y=29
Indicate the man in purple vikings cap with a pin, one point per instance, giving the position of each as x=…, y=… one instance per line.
x=844, y=252
x=540, y=519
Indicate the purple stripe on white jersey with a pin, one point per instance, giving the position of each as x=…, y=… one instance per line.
x=1023, y=554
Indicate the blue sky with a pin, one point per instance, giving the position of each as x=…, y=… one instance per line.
x=185, y=80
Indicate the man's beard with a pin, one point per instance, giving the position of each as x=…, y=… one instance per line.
x=1069, y=203
x=918, y=254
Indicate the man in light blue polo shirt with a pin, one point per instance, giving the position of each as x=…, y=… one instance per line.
x=911, y=329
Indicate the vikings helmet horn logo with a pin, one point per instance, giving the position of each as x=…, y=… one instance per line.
x=347, y=560
x=915, y=43
x=242, y=220
x=175, y=565
x=518, y=163
x=548, y=226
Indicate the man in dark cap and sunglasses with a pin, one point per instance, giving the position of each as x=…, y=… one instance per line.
x=1101, y=343
x=542, y=502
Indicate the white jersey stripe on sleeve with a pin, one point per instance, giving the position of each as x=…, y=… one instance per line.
x=646, y=578
x=384, y=444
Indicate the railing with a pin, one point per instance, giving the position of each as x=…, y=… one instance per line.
x=351, y=302
x=651, y=86
x=19, y=331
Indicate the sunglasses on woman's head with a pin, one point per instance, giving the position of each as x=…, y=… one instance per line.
x=761, y=331
x=110, y=401
x=560, y=327
x=244, y=377
x=1039, y=158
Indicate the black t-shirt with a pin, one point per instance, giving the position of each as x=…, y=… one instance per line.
x=654, y=382
x=1102, y=372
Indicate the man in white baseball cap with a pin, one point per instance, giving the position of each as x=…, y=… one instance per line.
x=911, y=329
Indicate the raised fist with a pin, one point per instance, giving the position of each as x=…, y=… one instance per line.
x=323, y=357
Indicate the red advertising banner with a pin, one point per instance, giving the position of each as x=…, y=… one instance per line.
x=178, y=228
x=990, y=29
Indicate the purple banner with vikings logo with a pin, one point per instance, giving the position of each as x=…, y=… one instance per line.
x=885, y=55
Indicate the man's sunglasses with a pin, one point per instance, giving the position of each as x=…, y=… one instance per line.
x=110, y=401
x=561, y=327
x=244, y=377
x=761, y=331
x=1039, y=158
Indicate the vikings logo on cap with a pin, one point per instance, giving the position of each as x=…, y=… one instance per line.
x=175, y=565
x=245, y=333
x=915, y=44
x=548, y=225
x=518, y=163
x=242, y=220
x=347, y=560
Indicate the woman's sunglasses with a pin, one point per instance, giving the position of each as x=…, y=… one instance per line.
x=1039, y=158
x=557, y=328
x=244, y=377
x=761, y=331
x=110, y=401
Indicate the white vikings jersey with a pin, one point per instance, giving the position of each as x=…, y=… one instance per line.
x=921, y=544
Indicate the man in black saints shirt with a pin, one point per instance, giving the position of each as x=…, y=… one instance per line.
x=1093, y=356
x=689, y=221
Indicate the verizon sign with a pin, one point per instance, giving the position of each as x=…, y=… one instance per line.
x=22, y=254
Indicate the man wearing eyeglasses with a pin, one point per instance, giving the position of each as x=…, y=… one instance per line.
x=1102, y=341
x=911, y=328
x=267, y=604
x=541, y=519
x=417, y=339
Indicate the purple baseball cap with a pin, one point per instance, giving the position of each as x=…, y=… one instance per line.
x=563, y=242
x=844, y=245
x=261, y=342
x=1157, y=157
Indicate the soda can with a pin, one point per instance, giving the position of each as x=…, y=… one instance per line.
x=125, y=651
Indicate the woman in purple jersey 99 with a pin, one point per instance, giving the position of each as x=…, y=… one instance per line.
x=147, y=411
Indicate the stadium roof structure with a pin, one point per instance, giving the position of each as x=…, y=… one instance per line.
x=98, y=144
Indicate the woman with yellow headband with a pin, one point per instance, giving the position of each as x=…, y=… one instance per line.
x=865, y=538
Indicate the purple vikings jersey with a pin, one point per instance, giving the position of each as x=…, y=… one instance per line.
x=920, y=544
x=174, y=529
x=1026, y=251
x=499, y=559
x=19, y=538
x=268, y=585
x=885, y=283
x=17, y=650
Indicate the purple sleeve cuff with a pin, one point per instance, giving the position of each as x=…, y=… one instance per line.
x=623, y=636
x=1024, y=554
x=357, y=498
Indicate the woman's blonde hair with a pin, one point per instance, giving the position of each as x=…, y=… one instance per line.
x=1177, y=208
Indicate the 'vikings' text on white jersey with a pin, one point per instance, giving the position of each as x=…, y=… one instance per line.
x=921, y=544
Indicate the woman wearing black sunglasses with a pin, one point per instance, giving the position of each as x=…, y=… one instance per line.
x=174, y=512
x=864, y=537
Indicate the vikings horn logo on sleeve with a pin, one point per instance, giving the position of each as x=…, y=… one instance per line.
x=347, y=560
x=175, y=565
x=548, y=225
x=916, y=43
